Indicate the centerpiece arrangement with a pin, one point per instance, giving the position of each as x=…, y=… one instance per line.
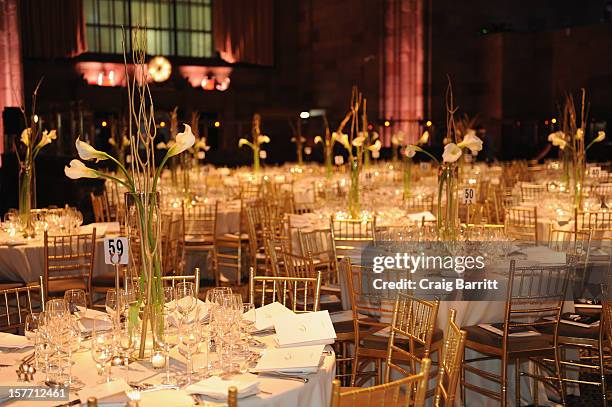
x=354, y=142
x=328, y=146
x=140, y=178
x=571, y=141
x=408, y=154
x=448, y=172
x=33, y=139
x=257, y=140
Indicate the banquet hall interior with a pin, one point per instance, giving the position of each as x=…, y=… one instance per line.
x=305, y=203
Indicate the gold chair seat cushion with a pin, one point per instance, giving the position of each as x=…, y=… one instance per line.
x=105, y=280
x=60, y=286
x=572, y=331
x=492, y=343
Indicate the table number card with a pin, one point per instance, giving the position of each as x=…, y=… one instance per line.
x=425, y=166
x=116, y=250
x=339, y=160
x=468, y=196
x=263, y=154
x=594, y=172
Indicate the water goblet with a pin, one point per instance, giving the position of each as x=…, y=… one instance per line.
x=102, y=344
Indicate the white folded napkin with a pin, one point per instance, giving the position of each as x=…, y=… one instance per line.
x=11, y=341
x=298, y=360
x=266, y=316
x=217, y=388
x=417, y=217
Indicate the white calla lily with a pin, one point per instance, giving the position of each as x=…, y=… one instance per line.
x=25, y=136
x=183, y=142
x=601, y=135
x=557, y=139
x=452, y=152
x=376, y=146
x=359, y=140
x=47, y=138
x=87, y=152
x=263, y=139
x=579, y=134
x=318, y=139
x=424, y=138
x=410, y=151
x=243, y=142
x=472, y=142
x=76, y=169
x=398, y=138
x=342, y=138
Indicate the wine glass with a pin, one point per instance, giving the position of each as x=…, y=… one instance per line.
x=169, y=300
x=214, y=295
x=30, y=326
x=189, y=336
x=166, y=337
x=102, y=344
x=127, y=339
x=56, y=309
x=111, y=302
x=185, y=298
x=76, y=300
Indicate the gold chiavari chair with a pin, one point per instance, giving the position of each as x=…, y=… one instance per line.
x=534, y=299
x=173, y=280
x=522, y=223
x=321, y=246
x=101, y=208
x=274, y=256
x=199, y=226
x=450, y=363
x=577, y=244
x=350, y=234
x=532, y=192
x=69, y=261
x=257, y=256
x=250, y=192
x=173, y=243
x=600, y=223
x=232, y=396
x=411, y=334
x=373, y=311
x=229, y=249
x=419, y=203
x=17, y=303
x=409, y=391
x=300, y=294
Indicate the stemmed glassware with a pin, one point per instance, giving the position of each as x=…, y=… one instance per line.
x=185, y=298
x=189, y=336
x=126, y=341
x=102, y=344
x=166, y=337
x=76, y=301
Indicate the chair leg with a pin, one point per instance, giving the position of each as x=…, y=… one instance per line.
x=354, y=370
x=517, y=378
x=504, y=379
x=558, y=373
x=602, y=373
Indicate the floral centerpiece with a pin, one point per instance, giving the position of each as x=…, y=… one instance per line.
x=298, y=140
x=328, y=145
x=257, y=140
x=354, y=142
x=33, y=139
x=448, y=174
x=571, y=142
x=140, y=178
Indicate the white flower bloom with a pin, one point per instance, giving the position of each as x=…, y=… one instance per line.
x=424, y=138
x=184, y=141
x=263, y=139
x=470, y=132
x=112, y=142
x=452, y=152
x=161, y=146
x=87, y=152
x=47, y=138
x=376, y=146
x=557, y=139
x=25, y=136
x=398, y=138
x=318, y=139
x=579, y=134
x=410, y=151
x=601, y=135
x=77, y=170
x=342, y=138
x=201, y=144
x=125, y=141
x=358, y=141
x=472, y=142
x=242, y=142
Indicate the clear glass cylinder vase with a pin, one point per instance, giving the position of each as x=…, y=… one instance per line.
x=27, y=197
x=353, y=196
x=448, y=210
x=143, y=223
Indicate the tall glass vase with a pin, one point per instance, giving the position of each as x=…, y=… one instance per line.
x=353, y=196
x=448, y=212
x=144, y=225
x=27, y=197
x=256, y=164
x=407, y=176
x=329, y=166
x=578, y=172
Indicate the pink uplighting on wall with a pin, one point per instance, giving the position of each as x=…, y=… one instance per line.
x=102, y=73
x=208, y=78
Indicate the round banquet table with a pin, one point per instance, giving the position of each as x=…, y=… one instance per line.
x=274, y=392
